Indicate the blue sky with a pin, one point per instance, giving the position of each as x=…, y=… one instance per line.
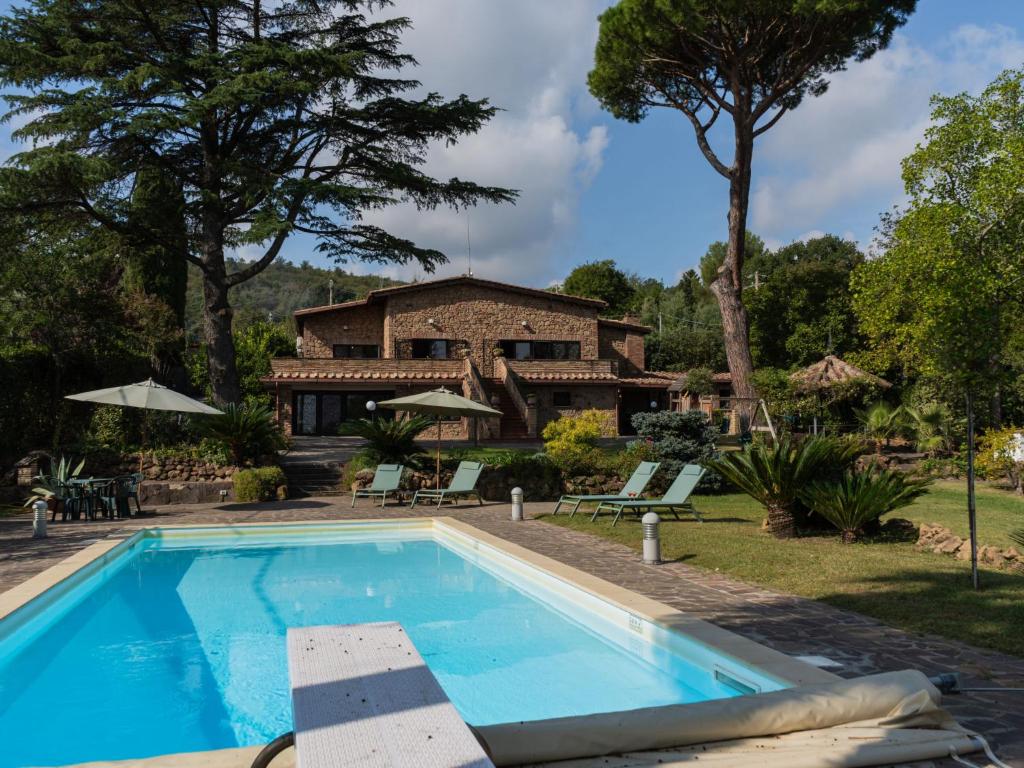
x=643, y=195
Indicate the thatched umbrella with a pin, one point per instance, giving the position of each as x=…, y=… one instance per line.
x=831, y=372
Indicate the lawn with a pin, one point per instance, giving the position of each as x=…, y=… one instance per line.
x=999, y=511
x=889, y=580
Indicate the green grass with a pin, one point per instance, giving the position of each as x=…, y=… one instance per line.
x=12, y=510
x=999, y=511
x=889, y=580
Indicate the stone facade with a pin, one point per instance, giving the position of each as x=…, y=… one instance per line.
x=473, y=316
x=359, y=324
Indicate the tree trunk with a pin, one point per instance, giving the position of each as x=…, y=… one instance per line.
x=781, y=523
x=728, y=288
x=849, y=537
x=220, y=345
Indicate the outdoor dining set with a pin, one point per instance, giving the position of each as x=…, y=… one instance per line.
x=92, y=497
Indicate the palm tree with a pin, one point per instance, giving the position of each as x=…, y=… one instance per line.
x=391, y=441
x=858, y=498
x=775, y=475
x=930, y=425
x=247, y=431
x=881, y=422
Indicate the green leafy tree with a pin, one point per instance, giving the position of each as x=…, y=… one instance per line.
x=601, y=280
x=752, y=60
x=943, y=299
x=272, y=120
x=802, y=308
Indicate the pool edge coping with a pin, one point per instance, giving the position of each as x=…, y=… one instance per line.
x=742, y=649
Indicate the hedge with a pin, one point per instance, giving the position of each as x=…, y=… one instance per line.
x=260, y=484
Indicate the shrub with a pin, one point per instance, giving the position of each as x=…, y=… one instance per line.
x=258, y=484
x=1001, y=455
x=676, y=439
x=246, y=431
x=391, y=441
x=775, y=475
x=571, y=441
x=860, y=498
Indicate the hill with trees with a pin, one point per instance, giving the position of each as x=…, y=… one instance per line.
x=279, y=290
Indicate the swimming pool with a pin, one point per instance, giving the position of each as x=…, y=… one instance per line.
x=177, y=642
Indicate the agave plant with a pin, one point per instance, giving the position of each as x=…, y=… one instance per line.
x=53, y=485
x=859, y=498
x=391, y=441
x=775, y=474
x=881, y=422
x=247, y=431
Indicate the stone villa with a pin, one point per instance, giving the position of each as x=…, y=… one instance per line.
x=533, y=354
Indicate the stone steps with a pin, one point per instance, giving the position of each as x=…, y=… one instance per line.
x=513, y=426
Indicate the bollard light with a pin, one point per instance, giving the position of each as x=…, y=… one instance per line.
x=652, y=540
x=39, y=519
x=517, y=503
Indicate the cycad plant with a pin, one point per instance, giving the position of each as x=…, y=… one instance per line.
x=247, y=431
x=860, y=498
x=391, y=441
x=775, y=474
x=881, y=422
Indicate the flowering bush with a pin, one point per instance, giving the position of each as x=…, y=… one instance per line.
x=571, y=441
x=1001, y=454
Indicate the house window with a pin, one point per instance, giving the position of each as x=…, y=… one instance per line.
x=540, y=350
x=359, y=351
x=561, y=399
x=430, y=348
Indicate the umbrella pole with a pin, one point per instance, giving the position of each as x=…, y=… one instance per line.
x=142, y=448
x=439, y=453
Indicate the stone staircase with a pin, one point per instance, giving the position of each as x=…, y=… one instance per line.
x=513, y=426
x=315, y=465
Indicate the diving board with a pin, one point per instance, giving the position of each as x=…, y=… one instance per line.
x=363, y=696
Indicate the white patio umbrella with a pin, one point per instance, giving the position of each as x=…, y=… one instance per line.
x=147, y=395
x=439, y=402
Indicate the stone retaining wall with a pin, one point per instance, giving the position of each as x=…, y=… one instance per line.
x=941, y=540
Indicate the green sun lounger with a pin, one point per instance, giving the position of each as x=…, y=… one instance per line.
x=631, y=490
x=385, y=480
x=675, y=498
x=463, y=484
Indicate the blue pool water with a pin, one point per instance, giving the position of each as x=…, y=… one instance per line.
x=183, y=648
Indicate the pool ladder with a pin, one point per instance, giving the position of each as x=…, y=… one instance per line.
x=273, y=749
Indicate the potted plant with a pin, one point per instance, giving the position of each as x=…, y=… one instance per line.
x=49, y=488
x=498, y=352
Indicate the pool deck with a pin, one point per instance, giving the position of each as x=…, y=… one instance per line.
x=792, y=625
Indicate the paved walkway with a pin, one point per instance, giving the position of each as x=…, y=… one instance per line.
x=790, y=624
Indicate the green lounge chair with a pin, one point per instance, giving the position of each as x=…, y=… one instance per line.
x=631, y=490
x=385, y=480
x=463, y=484
x=675, y=498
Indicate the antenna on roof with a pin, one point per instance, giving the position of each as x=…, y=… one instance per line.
x=469, y=249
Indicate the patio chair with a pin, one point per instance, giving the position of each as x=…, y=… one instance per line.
x=135, y=479
x=114, y=496
x=385, y=480
x=675, y=498
x=463, y=484
x=630, y=491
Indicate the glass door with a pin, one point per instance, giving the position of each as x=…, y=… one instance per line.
x=305, y=414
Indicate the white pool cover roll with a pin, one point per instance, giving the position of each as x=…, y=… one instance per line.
x=886, y=718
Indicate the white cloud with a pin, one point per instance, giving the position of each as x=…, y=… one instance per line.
x=844, y=148
x=530, y=58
